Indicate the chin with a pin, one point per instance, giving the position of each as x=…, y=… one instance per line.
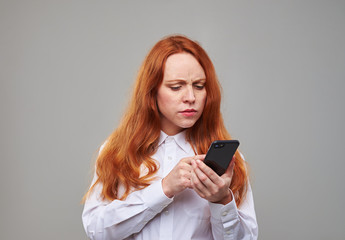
x=187, y=124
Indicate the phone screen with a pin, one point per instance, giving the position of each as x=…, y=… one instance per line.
x=219, y=155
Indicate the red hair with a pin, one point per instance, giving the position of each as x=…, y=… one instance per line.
x=135, y=140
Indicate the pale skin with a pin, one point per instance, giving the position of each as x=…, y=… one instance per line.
x=209, y=185
x=181, y=99
x=192, y=173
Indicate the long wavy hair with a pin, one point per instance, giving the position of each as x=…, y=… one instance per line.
x=132, y=144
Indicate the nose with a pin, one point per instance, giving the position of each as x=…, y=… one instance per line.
x=189, y=96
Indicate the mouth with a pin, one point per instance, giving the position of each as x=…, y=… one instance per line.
x=188, y=112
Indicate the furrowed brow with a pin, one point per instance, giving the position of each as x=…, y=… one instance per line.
x=203, y=80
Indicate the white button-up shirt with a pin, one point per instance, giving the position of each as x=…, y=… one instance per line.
x=148, y=214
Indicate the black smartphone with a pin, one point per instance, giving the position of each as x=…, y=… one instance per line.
x=219, y=155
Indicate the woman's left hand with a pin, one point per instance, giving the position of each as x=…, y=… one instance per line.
x=209, y=185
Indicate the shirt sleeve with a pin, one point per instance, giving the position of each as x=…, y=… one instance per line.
x=120, y=219
x=230, y=222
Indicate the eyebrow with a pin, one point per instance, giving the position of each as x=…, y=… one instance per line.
x=183, y=80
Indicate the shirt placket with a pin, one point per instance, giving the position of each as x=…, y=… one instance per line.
x=167, y=215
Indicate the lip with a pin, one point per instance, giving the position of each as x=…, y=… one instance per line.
x=188, y=112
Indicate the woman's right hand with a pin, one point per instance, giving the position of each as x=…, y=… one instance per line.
x=179, y=177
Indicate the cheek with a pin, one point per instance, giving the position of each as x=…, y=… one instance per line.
x=164, y=100
x=203, y=98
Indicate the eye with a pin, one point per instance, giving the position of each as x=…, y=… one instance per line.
x=199, y=86
x=175, y=88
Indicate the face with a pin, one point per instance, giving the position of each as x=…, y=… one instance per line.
x=181, y=96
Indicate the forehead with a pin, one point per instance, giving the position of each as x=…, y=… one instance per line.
x=183, y=66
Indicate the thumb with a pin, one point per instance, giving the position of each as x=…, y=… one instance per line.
x=229, y=171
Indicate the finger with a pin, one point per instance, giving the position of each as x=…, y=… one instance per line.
x=200, y=157
x=194, y=164
x=187, y=160
x=204, y=182
x=229, y=171
x=195, y=177
x=198, y=187
x=214, y=178
x=200, y=193
x=186, y=166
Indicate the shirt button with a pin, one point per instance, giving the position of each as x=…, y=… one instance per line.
x=166, y=212
x=169, y=158
x=227, y=232
x=224, y=213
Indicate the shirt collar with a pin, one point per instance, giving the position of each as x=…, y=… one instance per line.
x=179, y=138
x=162, y=138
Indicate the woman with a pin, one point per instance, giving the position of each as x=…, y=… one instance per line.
x=150, y=181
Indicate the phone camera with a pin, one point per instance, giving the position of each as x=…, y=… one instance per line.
x=219, y=145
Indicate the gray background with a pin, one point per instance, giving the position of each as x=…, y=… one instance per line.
x=67, y=68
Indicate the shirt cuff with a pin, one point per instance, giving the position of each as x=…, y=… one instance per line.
x=224, y=212
x=160, y=200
